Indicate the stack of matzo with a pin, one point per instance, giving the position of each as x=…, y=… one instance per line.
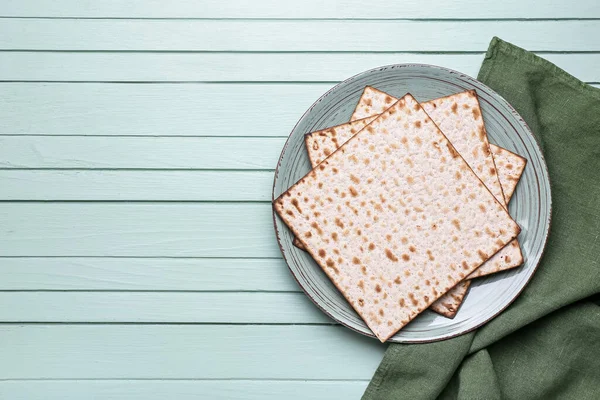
x=396, y=217
x=459, y=117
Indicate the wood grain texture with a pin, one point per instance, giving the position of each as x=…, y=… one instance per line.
x=105, y=351
x=306, y=9
x=162, y=274
x=167, y=153
x=257, y=67
x=155, y=109
x=277, y=35
x=136, y=185
x=157, y=307
x=181, y=389
x=137, y=229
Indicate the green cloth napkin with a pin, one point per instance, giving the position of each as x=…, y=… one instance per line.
x=547, y=343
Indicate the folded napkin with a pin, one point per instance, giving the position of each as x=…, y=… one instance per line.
x=547, y=343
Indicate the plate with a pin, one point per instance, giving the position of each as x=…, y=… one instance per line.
x=530, y=205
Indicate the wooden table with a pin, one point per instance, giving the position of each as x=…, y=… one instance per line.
x=137, y=147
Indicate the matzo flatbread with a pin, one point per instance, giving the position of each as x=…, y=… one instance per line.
x=459, y=117
x=322, y=143
x=449, y=303
x=398, y=193
x=510, y=167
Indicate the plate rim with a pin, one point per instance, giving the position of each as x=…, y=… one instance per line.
x=528, y=131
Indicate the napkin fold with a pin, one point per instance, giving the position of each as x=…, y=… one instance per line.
x=547, y=343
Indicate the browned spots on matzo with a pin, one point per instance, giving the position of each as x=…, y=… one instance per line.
x=485, y=149
x=378, y=288
x=401, y=302
x=371, y=246
x=368, y=102
x=361, y=284
x=331, y=265
x=465, y=265
x=412, y=248
x=489, y=232
x=454, y=108
x=290, y=213
x=482, y=255
x=456, y=223
x=476, y=113
x=322, y=253
x=308, y=234
x=390, y=255
x=410, y=180
x=405, y=257
x=356, y=260
x=363, y=270
x=452, y=150
x=413, y=300
x=403, y=140
x=353, y=191
x=339, y=223
x=327, y=152
x=370, y=129
x=354, y=179
x=509, y=166
x=492, y=171
x=315, y=146
x=316, y=226
x=361, y=302
x=507, y=258
x=381, y=312
x=482, y=207
x=481, y=132
x=457, y=175
x=334, y=236
x=353, y=158
x=430, y=255
x=418, y=124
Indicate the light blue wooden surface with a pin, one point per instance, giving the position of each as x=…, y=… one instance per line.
x=137, y=147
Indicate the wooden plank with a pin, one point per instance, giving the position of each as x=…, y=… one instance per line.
x=163, y=274
x=257, y=67
x=141, y=229
x=305, y=9
x=278, y=35
x=160, y=307
x=156, y=110
x=180, y=389
x=87, y=185
x=181, y=153
x=185, y=352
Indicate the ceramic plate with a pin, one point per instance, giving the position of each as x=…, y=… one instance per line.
x=530, y=205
